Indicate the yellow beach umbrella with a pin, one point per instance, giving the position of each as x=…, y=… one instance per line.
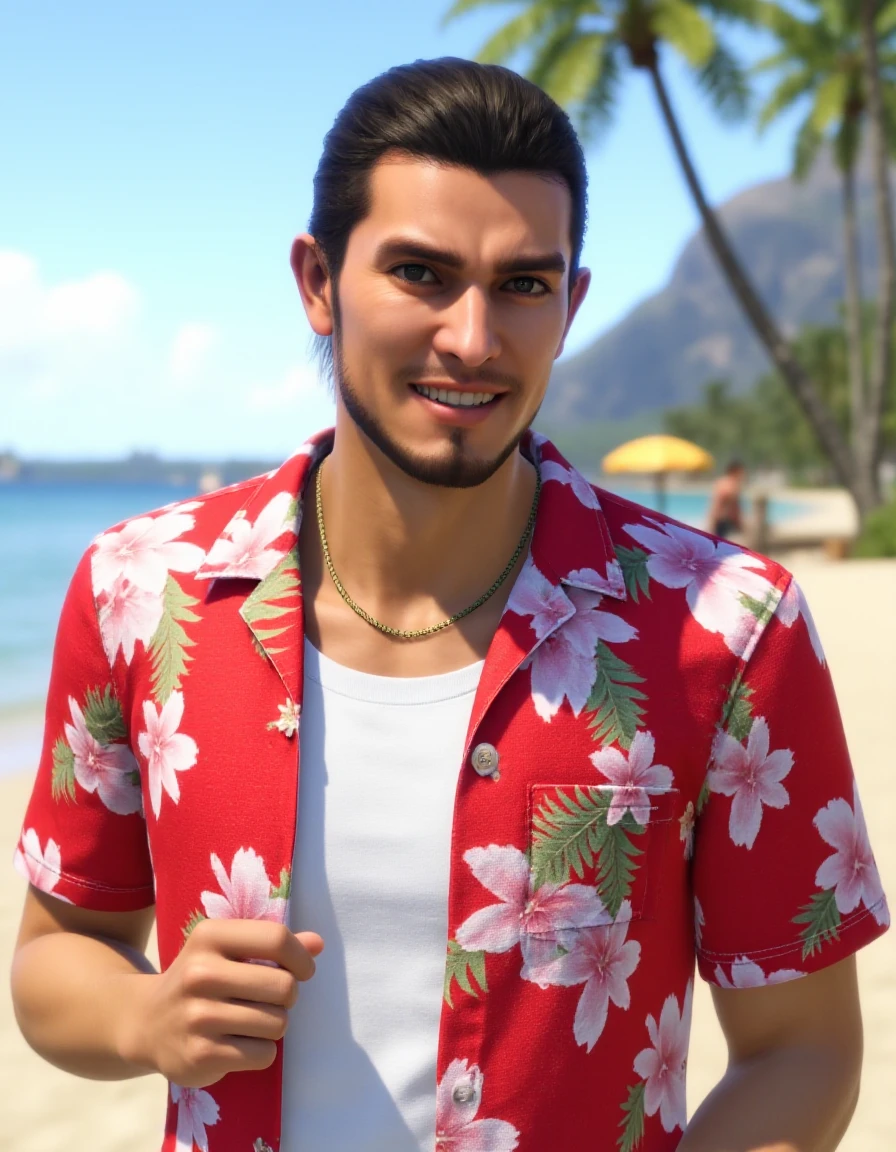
x=658, y=455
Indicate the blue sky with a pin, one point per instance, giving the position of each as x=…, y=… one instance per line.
x=157, y=163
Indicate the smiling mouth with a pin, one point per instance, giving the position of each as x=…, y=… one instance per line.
x=452, y=398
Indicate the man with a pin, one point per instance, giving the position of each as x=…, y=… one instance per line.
x=552, y=746
x=725, y=513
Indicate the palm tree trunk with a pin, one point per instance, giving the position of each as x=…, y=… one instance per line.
x=882, y=363
x=854, y=340
x=817, y=412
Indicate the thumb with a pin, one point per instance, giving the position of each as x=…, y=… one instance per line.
x=311, y=941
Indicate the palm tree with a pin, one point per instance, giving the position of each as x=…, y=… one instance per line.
x=878, y=19
x=821, y=65
x=822, y=62
x=579, y=50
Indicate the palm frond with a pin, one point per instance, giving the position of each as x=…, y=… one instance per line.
x=725, y=83
x=791, y=89
x=525, y=30
x=830, y=101
x=549, y=56
x=885, y=22
x=805, y=149
x=462, y=7
x=576, y=72
x=596, y=110
x=686, y=29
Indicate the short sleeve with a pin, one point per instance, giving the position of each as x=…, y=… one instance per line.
x=784, y=877
x=84, y=835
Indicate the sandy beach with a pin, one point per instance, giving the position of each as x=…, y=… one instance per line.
x=44, y=1110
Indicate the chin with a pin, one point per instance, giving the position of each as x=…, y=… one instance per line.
x=447, y=459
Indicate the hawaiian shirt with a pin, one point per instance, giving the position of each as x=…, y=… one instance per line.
x=655, y=774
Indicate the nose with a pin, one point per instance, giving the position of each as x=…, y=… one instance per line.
x=467, y=329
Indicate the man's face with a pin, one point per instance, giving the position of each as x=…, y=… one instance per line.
x=453, y=302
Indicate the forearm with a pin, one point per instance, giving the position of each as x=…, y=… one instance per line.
x=75, y=999
x=790, y=1100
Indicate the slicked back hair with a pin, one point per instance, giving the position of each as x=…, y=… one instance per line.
x=452, y=111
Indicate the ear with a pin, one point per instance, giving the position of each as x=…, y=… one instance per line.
x=314, y=283
x=579, y=291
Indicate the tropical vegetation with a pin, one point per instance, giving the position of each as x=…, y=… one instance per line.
x=835, y=54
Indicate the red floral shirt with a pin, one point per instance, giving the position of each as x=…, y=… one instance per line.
x=655, y=771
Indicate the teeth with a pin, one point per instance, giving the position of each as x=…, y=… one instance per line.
x=454, y=398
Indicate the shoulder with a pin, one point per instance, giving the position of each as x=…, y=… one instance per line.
x=197, y=518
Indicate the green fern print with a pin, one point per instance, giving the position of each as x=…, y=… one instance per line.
x=263, y=613
x=615, y=700
x=463, y=967
x=168, y=648
x=570, y=834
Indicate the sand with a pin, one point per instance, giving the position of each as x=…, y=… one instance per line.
x=45, y=1110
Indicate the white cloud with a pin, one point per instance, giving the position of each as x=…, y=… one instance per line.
x=38, y=317
x=299, y=385
x=190, y=351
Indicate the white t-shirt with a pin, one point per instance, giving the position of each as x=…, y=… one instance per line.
x=380, y=760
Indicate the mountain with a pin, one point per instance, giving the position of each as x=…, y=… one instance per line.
x=790, y=237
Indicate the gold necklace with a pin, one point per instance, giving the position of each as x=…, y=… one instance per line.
x=416, y=633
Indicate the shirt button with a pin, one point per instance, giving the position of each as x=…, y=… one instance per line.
x=464, y=1093
x=485, y=759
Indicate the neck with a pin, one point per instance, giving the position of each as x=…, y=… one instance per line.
x=410, y=552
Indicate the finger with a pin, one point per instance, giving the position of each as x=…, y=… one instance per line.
x=252, y=1021
x=256, y=940
x=311, y=941
x=213, y=977
x=241, y=1054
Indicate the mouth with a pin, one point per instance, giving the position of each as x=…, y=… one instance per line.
x=455, y=398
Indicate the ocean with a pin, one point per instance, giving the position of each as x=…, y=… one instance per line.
x=45, y=528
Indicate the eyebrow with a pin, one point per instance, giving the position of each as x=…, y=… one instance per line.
x=401, y=246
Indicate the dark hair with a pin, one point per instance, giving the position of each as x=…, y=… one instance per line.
x=735, y=465
x=457, y=112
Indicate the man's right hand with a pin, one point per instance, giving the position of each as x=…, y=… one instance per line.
x=213, y=1011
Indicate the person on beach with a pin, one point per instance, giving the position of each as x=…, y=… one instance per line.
x=725, y=515
x=519, y=751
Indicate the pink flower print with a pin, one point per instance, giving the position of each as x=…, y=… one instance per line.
x=166, y=750
x=40, y=867
x=127, y=614
x=793, y=605
x=109, y=770
x=752, y=777
x=663, y=1066
x=458, y=1099
x=196, y=1110
x=633, y=778
x=535, y=596
x=532, y=919
x=582, y=490
x=245, y=548
x=747, y=974
x=247, y=891
x=563, y=664
x=714, y=574
x=602, y=959
x=144, y=551
x=851, y=870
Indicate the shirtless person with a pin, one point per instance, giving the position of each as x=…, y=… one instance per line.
x=725, y=513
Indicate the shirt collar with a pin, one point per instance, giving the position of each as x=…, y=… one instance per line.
x=571, y=543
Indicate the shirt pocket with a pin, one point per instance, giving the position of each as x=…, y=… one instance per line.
x=605, y=838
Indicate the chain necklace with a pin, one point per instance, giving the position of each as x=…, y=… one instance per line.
x=417, y=633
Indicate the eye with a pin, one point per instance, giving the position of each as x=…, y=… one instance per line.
x=529, y=286
x=415, y=274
